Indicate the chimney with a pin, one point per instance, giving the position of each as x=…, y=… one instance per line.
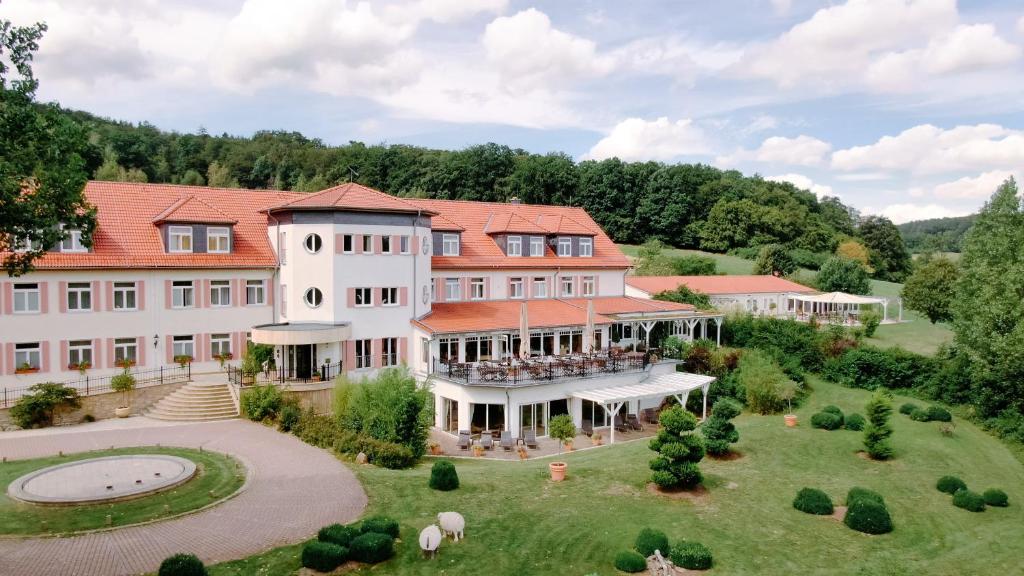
x=514, y=201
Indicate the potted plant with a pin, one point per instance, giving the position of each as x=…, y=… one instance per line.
x=183, y=360
x=222, y=358
x=25, y=368
x=435, y=448
x=523, y=454
x=123, y=383
x=125, y=363
x=478, y=450
x=787, y=394
x=81, y=367
x=562, y=429
x=597, y=439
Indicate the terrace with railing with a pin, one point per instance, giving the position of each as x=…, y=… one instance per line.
x=283, y=375
x=540, y=370
x=90, y=385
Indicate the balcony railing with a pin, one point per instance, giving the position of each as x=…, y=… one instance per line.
x=283, y=375
x=540, y=370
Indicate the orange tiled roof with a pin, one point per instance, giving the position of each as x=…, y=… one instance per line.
x=349, y=196
x=192, y=209
x=629, y=304
x=712, y=285
x=563, y=224
x=513, y=223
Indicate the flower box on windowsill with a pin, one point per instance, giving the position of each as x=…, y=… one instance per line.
x=125, y=364
x=80, y=367
x=26, y=370
x=183, y=360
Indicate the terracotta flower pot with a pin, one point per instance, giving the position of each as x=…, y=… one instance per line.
x=790, y=420
x=557, y=471
x=123, y=411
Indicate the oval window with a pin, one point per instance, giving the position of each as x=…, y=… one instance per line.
x=313, y=243
x=314, y=297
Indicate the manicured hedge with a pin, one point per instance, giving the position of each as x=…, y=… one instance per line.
x=870, y=368
x=996, y=497
x=372, y=547
x=833, y=409
x=939, y=414
x=323, y=556
x=691, y=555
x=919, y=415
x=858, y=493
x=908, y=408
x=813, y=501
x=869, y=516
x=650, y=540
x=630, y=561
x=855, y=422
x=380, y=525
x=950, y=484
x=969, y=500
x=443, y=476
x=826, y=421
x=182, y=565
x=337, y=534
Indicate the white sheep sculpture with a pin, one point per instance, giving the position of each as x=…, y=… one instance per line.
x=430, y=539
x=452, y=523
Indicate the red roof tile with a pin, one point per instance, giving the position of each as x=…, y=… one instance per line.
x=716, y=284
x=630, y=305
x=513, y=223
x=193, y=210
x=563, y=224
x=349, y=196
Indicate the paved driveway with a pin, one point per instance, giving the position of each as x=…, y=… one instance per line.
x=294, y=490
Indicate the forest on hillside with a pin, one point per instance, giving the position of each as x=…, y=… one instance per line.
x=936, y=234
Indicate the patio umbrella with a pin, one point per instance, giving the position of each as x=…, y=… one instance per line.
x=524, y=333
x=588, y=331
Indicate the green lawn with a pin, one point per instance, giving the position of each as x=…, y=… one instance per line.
x=215, y=472
x=518, y=522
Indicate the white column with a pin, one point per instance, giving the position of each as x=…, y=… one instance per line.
x=438, y=411
x=718, y=334
x=462, y=348
x=704, y=413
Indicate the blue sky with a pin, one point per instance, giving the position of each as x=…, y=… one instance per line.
x=909, y=108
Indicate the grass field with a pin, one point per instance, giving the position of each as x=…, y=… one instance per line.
x=518, y=522
x=215, y=472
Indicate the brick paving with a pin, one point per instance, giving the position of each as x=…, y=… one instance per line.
x=294, y=490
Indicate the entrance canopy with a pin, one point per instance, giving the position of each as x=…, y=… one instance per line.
x=299, y=333
x=838, y=298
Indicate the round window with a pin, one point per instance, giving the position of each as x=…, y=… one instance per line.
x=314, y=297
x=313, y=243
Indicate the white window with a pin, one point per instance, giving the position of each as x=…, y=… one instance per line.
x=515, y=288
x=27, y=356
x=183, y=346
x=452, y=289
x=449, y=244
x=220, y=293
x=220, y=345
x=364, y=297
x=565, y=246
x=385, y=244
x=26, y=245
x=73, y=243
x=536, y=245
x=389, y=352
x=180, y=238
x=476, y=288
x=404, y=245
x=363, y=354
x=515, y=245
x=125, y=296
x=126, y=351
x=389, y=296
x=589, y=286
x=567, y=287
x=540, y=288
x=448, y=349
x=255, y=292
x=218, y=240
x=367, y=244
x=313, y=297
x=26, y=298
x=282, y=247
x=182, y=294
x=348, y=244
x=586, y=247
x=313, y=243
x=79, y=296
x=79, y=354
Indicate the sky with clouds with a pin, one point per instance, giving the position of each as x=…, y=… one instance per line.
x=908, y=108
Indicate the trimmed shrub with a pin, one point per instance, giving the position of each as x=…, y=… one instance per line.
x=939, y=414
x=443, y=476
x=950, y=484
x=908, y=408
x=380, y=525
x=996, y=497
x=679, y=450
x=650, y=540
x=337, y=534
x=323, y=556
x=630, y=561
x=871, y=368
x=865, y=514
x=691, y=555
x=878, y=429
x=858, y=493
x=372, y=547
x=718, y=431
x=855, y=422
x=833, y=409
x=182, y=565
x=813, y=501
x=968, y=500
x=261, y=402
x=919, y=415
x=826, y=421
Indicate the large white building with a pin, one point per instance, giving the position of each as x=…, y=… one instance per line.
x=348, y=279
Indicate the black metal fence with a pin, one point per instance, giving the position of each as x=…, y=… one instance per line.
x=89, y=385
x=239, y=379
x=540, y=370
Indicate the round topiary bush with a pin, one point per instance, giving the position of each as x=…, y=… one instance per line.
x=337, y=534
x=858, y=493
x=939, y=414
x=968, y=500
x=691, y=555
x=950, y=484
x=443, y=476
x=372, y=547
x=381, y=525
x=868, y=516
x=323, y=556
x=919, y=415
x=182, y=565
x=833, y=410
x=826, y=421
x=650, y=540
x=908, y=408
x=855, y=422
x=630, y=561
x=813, y=501
x=996, y=497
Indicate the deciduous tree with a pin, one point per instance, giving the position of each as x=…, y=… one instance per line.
x=843, y=275
x=931, y=288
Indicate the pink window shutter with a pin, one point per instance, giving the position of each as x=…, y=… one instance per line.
x=7, y=297
x=204, y=295
x=168, y=298
x=577, y=289
x=169, y=343
x=351, y=296
x=357, y=243
x=414, y=244
x=96, y=296
x=403, y=296
x=140, y=359
x=110, y=353
x=378, y=244
x=62, y=296
x=339, y=243
x=487, y=288
x=97, y=356
x=44, y=357
x=64, y=359
x=350, y=355
x=10, y=358
x=596, y=288
x=527, y=287
x=140, y=294
x=109, y=297
x=464, y=288
x=403, y=350
x=376, y=350
x=396, y=244
x=439, y=289
x=44, y=297
x=375, y=296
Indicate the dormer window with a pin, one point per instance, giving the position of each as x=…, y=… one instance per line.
x=515, y=246
x=586, y=247
x=536, y=246
x=73, y=243
x=218, y=240
x=179, y=239
x=565, y=246
x=450, y=245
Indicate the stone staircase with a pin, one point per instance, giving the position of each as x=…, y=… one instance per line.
x=195, y=402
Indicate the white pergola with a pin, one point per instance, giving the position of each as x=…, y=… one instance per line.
x=676, y=384
x=841, y=301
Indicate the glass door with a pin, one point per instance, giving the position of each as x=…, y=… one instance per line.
x=533, y=416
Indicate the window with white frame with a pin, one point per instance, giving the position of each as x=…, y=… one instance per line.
x=586, y=247
x=182, y=294
x=183, y=346
x=589, y=286
x=73, y=243
x=255, y=292
x=476, y=288
x=218, y=240
x=364, y=296
x=565, y=246
x=367, y=244
x=313, y=297
x=79, y=296
x=27, y=355
x=79, y=354
x=179, y=238
x=449, y=244
x=540, y=287
x=515, y=246
x=452, y=289
x=536, y=246
x=313, y=243
x=220, y=345
x=389, y=352
x=26, y=298
x=126, y=351
x=220, y=293
x=568, y=285
x=125, y=296
x=389, y=296
x=364, y=358
x=26, y=245
x=448, y=349
x=404, y=245
x=385, y=244
x=348, y=244
x=515, y=288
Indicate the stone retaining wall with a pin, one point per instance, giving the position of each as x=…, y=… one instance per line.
x=101, y=406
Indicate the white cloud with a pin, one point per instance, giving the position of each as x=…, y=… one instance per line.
x=1020, y=25
x=863, y=177
x=981, y=186
x=782, y=7
x=900, y=213
x=444, y=11
x=639, y=139
x=800, y=151
x=803, y=182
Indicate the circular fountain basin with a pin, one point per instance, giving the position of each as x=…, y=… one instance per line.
x=106, y=479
